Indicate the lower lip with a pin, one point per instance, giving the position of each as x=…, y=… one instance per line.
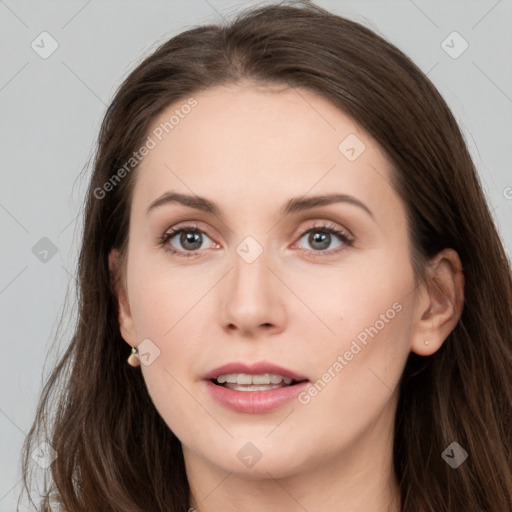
x=254, y=402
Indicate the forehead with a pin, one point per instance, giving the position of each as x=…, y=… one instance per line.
x=239, y=120
x=239, y=140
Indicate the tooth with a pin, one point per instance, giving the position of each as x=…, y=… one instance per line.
x=243, y=378
x=262, y=379
x=246, y=379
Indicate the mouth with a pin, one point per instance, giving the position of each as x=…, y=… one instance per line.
x=258, y=382
x=254, y=388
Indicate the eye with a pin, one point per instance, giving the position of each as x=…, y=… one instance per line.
x=188, y=240
x=320, y=238
x=183, y=240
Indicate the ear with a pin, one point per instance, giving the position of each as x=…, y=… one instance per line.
x=117, y=274
x=440, y=305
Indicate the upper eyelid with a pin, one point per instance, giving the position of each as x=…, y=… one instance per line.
x=194, y=225
x=329, y=224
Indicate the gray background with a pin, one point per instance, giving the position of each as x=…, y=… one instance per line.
x=51, y=110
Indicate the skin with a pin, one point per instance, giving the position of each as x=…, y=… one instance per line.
x=249, y=149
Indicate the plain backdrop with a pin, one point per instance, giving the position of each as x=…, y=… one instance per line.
x=52, y=105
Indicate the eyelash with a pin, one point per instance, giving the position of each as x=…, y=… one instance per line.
x=323, y=228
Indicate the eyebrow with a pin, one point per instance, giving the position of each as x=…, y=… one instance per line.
x=294, y=205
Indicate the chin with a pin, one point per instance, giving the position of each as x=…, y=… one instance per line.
x=259, y=458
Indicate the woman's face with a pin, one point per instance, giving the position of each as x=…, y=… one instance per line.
x=293, y=261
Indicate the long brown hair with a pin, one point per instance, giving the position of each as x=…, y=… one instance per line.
x=115, y=453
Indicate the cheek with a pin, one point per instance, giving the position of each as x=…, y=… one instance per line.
x=356, y=372
x=162, y=296
x=356, y=300
x=161, y=308
x=368, y=311
x=167, y=305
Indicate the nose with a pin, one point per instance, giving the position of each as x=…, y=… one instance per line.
x=252, y=298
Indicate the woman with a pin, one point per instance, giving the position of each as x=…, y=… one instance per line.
x=339, y=332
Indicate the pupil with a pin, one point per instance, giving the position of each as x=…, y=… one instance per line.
x=322, y=238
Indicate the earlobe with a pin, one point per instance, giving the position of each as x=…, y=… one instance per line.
x=125, y=320
x=441, y=304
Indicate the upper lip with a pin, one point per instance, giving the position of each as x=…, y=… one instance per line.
x=258, y=368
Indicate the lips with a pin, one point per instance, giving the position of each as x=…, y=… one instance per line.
x=253, y=388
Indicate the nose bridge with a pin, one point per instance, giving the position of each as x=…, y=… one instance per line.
x=250, y=276
x=249, y=297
